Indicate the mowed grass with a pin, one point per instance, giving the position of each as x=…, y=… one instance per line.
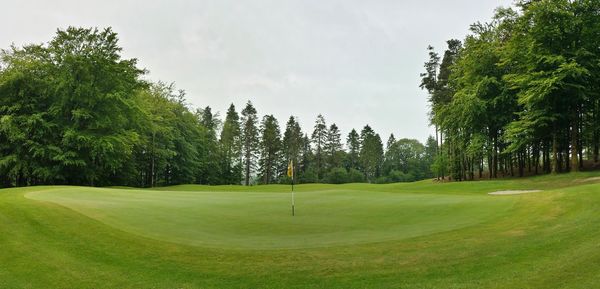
x=417, y=235
x=325, y=215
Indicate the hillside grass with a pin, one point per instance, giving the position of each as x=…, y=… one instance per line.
x=412, y=235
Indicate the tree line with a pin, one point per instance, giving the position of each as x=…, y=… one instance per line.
x=520, y=95
x=73, y=111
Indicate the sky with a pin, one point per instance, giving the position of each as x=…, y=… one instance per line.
x=356, y=62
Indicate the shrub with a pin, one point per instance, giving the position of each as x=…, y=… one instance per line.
x=355, y=176
x=337, y=176
x=399, y=176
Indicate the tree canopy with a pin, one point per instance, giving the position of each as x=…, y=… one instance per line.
x=73, y=111
x=519, y=95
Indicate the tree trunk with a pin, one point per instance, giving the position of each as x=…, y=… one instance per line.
x=596, y=146
x=437, y=150
x=490, y=162
x=529, y=155
x=537, y=163
x=580, y=143
x=595, y=133
x=567, y=152
x=546, y=153
x=596, y=143
x=574, y=145
x=441, y=154
x=247, y=175
x=521, y=163
x=554, y=154
x=6, y=183
x=495, y=157
x=481, y=167
x=19, y=179
x=511, y=163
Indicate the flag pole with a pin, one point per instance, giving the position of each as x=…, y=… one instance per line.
x=293, y=209
x=290, y=174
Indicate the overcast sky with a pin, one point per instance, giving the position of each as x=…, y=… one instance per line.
x=356, y=62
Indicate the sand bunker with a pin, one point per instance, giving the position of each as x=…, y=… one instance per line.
x=588, y=180
x=514, y=192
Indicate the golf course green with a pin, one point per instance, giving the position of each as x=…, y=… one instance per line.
x=408, y=235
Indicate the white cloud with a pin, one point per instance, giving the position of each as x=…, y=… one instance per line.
x=356, y=62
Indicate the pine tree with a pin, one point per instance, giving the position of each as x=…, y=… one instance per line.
x=292, y=145
x=210, y=171
x=391, y=140
x=319, y=138
x=371, y=153
x=333, y=147
x=353, y=147
x=307, y=174
x=231, y=147
x=270, y=149
x=250, y=140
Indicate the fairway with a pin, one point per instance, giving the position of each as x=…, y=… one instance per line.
x=412, y=235
x=262, y=219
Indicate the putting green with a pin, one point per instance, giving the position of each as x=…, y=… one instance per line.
x=356, y=236
x=262, y=220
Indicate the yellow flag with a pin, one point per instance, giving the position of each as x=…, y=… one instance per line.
x=290, y=171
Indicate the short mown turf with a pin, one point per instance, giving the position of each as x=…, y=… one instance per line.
x=417, y=235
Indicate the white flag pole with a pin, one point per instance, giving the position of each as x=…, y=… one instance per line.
x=293, y=205
x=290, y=174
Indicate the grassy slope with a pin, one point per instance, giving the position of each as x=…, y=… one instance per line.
x=549, y=240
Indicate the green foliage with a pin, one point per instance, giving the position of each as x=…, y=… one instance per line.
x=355, y=176
x=333, y=147
x=74, y=100
x=337, y=176
x=440, y=165
x=406, y=157
x=270, y=154
x=292, y=146
x=308, y=176
x=249, y=140
x=72, y=111
x=230, y=144
x=353, y=144
x=319, y=139
x=523, y=89
x=371, y=153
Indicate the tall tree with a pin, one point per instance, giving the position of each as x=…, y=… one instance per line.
x=307, y=174
x=406, y=156
x=553, y=73
x=231, y=147
x=270, y=149
x=431, y=150
x=353, y=147
x=429, y=82
x=250, y=140
x=319, y=138
x=371, y=153
x=28, y=131
x=390, y=142
x=209, y=120
x=292, y=145
x=210, y=168
x=87, y=100
x=333, y=147
x=522, y=92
